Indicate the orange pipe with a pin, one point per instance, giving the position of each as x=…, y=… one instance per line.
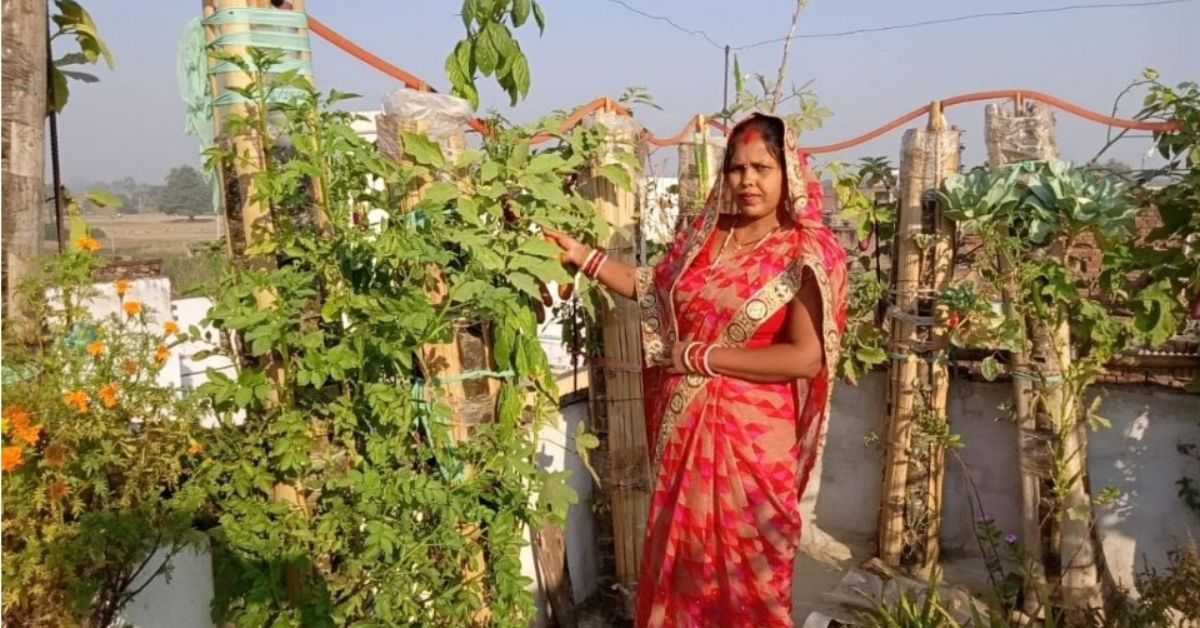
x=320, y=29
x=1087, y=114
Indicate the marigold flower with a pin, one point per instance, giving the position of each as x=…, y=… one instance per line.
x=12, y=458
x=171, y=327
x=17, y=418
x=59, y=490
x=109, y=395
x=130, y=367
x=96, y=348
x=122, y=287
x=195, y=448
x=77, y=399
x=132, y=308
x=88, y=244
x=161, y=354
x=29, y=434
x=56, y=455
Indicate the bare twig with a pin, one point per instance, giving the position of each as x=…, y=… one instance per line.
x=777, y=93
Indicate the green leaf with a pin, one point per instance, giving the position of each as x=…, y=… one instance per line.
x=618, y=175
x=556, y=495
x=520, y=12
x=546, y=270
x=525, y=283
x=486, y=51
x=539, y=17
x=422, y=149
x=520, y=73
x=104, y=198
x=544, y=163
x=990, y=368
x=61, y=91
x=441, y=193
x=871, y=355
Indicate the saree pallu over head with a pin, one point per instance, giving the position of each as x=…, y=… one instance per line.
x=730, y=458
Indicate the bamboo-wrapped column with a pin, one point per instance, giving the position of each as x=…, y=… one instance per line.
x=471, y=401
x=629, y=482
x=1048, y=423
x=699, y=163
x=919, y=381
x=249, y=221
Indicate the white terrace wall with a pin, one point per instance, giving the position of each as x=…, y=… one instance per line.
x=1137, y=455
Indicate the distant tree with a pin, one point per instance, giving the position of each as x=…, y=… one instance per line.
x=185, y=193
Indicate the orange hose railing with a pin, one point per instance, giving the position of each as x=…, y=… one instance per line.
x=694, y=125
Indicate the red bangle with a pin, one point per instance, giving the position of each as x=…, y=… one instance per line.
x=705, y=368
x=593, y=268
x=688, y=364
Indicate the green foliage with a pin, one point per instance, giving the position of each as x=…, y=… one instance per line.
x=73, y=20
x=806, y=112
x=102, y=463
x=908, y=611
x=489, y=48
x=1029, y=216
x=339, y=403
x=185, y=193
x=864, y=345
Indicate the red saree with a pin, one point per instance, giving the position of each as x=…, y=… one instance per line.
x=731, y=458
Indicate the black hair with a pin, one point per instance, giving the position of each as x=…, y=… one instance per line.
x=771, y=130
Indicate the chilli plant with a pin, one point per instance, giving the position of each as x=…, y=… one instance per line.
x=342, y=496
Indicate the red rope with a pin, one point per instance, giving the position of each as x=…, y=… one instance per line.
x=321, y=30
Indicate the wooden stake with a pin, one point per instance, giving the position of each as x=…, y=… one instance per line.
x=927, y=157
x=250, y=222
x=1044, y=409
x=628, y=456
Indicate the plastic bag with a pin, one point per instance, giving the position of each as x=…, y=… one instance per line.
x=441, y=115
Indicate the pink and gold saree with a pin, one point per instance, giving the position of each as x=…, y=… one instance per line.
x=730, y=457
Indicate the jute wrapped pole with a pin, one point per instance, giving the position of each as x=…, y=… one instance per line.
x=918, y=381
x=938, y=366
x=1045, y=409
x=699, y=162
x=629, y=482
x=471, y=402
x=249, y=221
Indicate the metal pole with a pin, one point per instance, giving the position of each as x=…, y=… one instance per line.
x=725, y=104
x=56, y=172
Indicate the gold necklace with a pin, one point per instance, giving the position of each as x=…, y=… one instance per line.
x=756, y=243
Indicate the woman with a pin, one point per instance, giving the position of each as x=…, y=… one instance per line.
x=741, y=323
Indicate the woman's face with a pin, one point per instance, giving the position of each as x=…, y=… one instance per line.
x=755, y=177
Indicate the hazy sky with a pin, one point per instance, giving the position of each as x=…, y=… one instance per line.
x=131, y=123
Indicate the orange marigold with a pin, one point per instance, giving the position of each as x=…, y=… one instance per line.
x=122, y=287
x=77, y=399
x=161, y=354
x=195, y=448
x=130, y=367
x=29, y=434
x=88, y=244
x=56, y=455
x=17, y=418
x=12, y=458
x=109, y=395
x=59, y=490
x=96, y=348
x=171, y=327
x=132, y=308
